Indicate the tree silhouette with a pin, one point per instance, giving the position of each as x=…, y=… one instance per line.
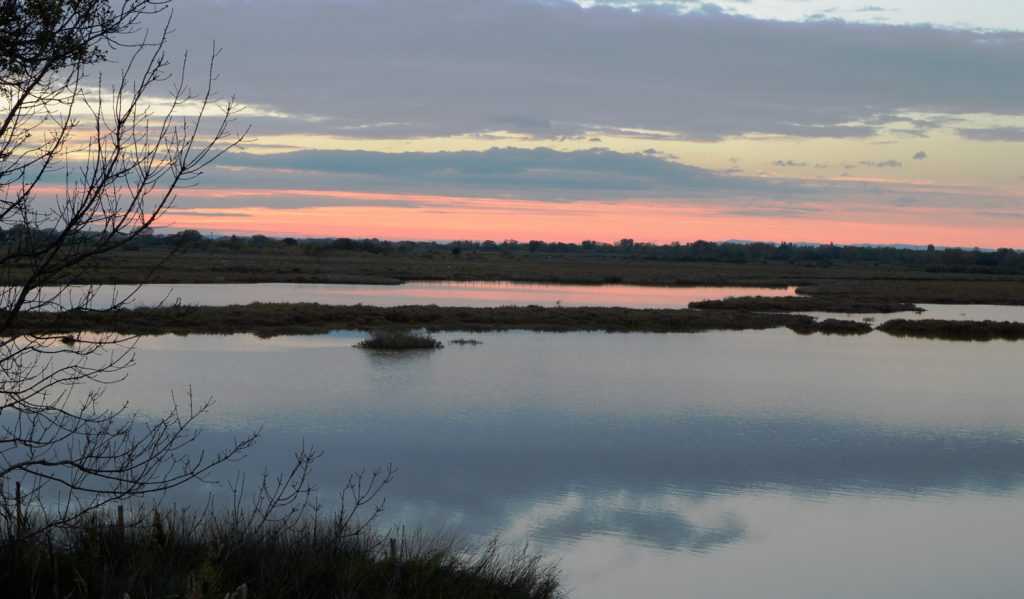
x=87, y=165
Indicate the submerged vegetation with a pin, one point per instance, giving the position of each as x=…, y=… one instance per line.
x=398, y=339
x=466, y=342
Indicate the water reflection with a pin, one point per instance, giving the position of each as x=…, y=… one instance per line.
x=633, y=519
x=971, y=312
x=721, y=450
x=441, y=293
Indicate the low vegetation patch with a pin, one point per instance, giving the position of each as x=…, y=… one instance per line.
x=954, y=330
x=165, y=554
x=396, y=339
x=802, y=303
x=390, y=326
x=832, y=326
x=389, y=322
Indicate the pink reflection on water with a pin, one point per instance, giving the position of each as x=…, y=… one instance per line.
x=505, y=293
x=441, y=293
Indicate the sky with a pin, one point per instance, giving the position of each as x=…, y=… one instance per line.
x=885, y=121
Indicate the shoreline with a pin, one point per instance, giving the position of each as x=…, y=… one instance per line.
x=269, y=320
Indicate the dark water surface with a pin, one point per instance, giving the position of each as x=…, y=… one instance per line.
x=725, y=464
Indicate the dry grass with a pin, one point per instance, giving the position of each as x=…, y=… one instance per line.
x=173, y=554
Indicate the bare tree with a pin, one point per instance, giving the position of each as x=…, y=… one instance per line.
x=88, y=164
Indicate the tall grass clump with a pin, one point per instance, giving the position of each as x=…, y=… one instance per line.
x=189, y=555
x=397, y=339
x=273, y=541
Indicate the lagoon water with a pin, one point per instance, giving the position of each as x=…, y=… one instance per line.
x=490, y=294
x=971, y=312
x=441, y=293
x=724, y=464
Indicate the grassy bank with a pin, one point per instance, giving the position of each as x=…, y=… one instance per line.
x=250, y=266
x=955, y=330
x=390, y=325
x=840, y=287
x=805, y=304
x=290, y=319
x=175, y=556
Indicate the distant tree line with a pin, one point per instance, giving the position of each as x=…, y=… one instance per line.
x=1003, y=260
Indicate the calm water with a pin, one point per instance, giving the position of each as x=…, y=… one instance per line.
x=941, y=312
x=444, y=293
x=726, y=464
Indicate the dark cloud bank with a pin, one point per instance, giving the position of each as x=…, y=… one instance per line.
x=548, y=68
x=536, y=173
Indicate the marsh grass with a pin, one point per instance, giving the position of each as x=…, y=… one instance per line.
x=297, y=319
x=398, y=339
x=954, y=330
x=805, y=303
x=180, y=554
x=832, y=326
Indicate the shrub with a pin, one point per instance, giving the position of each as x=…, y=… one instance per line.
x=394, y=339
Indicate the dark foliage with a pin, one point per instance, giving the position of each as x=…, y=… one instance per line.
x=397, y=339
x=954, y=330
x=952, y=260
x=832, y=326
x=285, y=319
x=176, y=554
x=805, y=304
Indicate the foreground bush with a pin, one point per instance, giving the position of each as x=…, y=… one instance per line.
x=179, y=555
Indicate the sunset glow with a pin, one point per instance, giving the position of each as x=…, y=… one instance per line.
x=619, y=119
x=453, y=218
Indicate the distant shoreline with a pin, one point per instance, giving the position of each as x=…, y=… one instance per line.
x=834, y=284
x=827, y=279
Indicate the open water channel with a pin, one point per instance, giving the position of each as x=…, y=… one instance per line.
x=721, y=464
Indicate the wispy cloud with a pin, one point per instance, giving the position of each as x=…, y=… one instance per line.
x=882, y=164
x=993, y=133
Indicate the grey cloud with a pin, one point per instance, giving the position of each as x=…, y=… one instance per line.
x=993, y=134
x=921, y=155
x=538, y=174
x=539, y=171
x=909, y=133
x=789, y=163
x=883, y=164
x=177, y=212
x=774, y=211
x=994, y=214
x=549, y=68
